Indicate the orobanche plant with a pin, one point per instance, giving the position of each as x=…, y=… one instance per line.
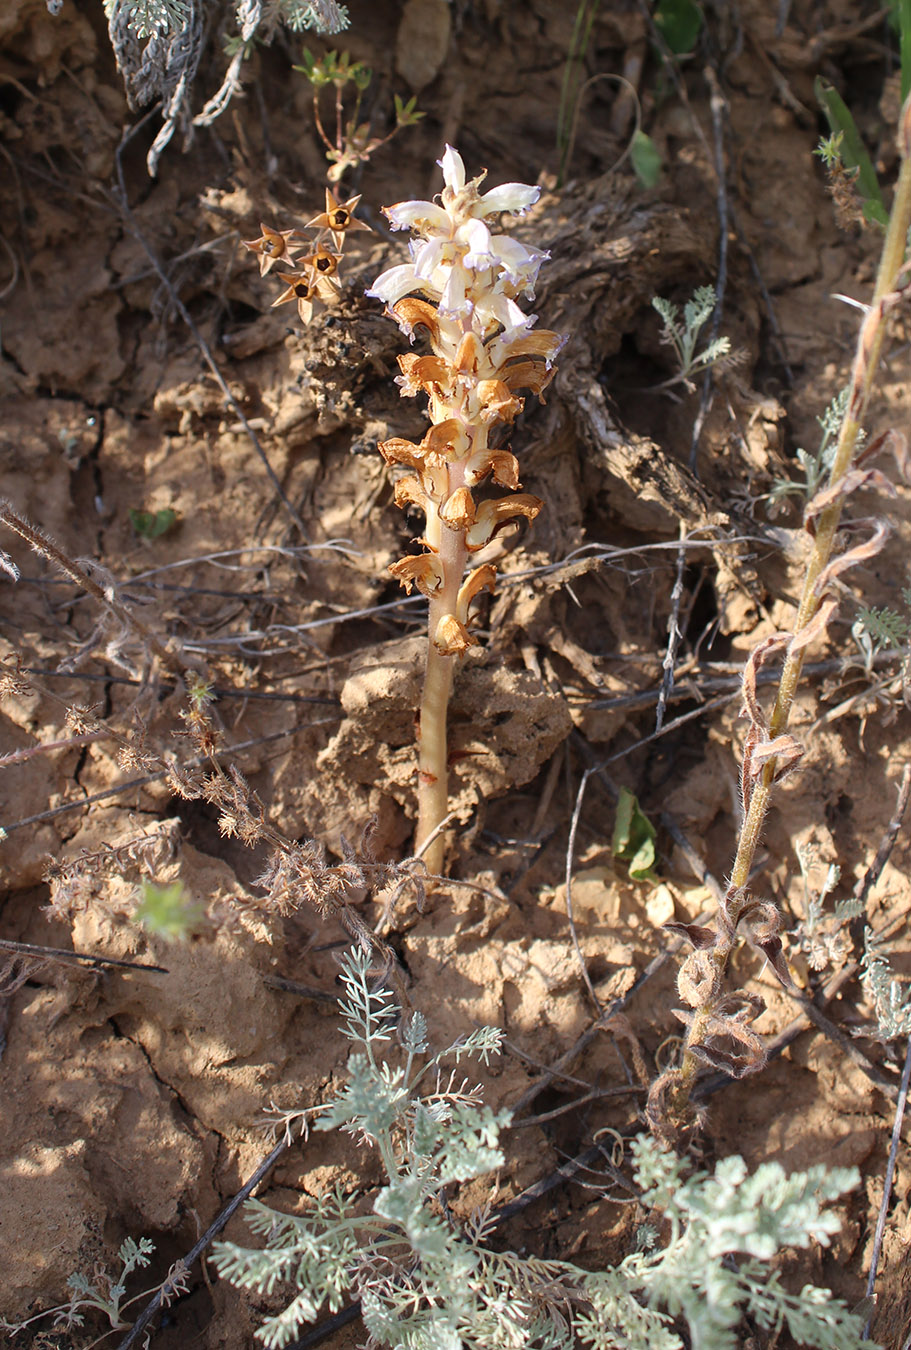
x=428, y=1281
x=461, y=286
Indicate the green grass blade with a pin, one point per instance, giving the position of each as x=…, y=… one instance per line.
x=572, y=79
x=903, y=14
x=853, y=152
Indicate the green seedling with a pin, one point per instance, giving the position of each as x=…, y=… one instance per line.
x=167, y=911
x=634, y=838
x=679, y=22
x=891, y=998
x=352, y=143
x=816, y=466
x=335, y=70
x=104, y=1294
x=153, y=524
x=684, y=336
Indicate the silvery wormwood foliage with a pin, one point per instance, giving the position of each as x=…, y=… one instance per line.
x=158, y=45
x=891, y=999
x=428, y=1283
x=159, y=18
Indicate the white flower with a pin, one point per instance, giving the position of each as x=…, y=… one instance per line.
x=477, y=237
x=420, y=216
x=500, y=309
x=455, y=298
x=519, y=265
x=472, y=275
x=430, y=255
x=461, y=202
x=453, y=169
x=462, y=198
x=394, y=284
x=509, y=197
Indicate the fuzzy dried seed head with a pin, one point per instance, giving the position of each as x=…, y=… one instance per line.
x=11, y=682
x=81, y=720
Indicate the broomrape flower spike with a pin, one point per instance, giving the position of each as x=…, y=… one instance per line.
x=462, y=287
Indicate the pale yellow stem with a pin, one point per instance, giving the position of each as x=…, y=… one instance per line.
x=433, y=752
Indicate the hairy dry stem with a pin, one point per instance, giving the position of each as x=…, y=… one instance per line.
x=718, y=1021
x=865, y=365
x=44, y=546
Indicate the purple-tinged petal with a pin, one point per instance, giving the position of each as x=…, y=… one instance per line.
x=454, y=297
x=508, y=313
x=520, y=264
x=480, y=253
x=427, y=257
x=415, y=215
x=393, y=284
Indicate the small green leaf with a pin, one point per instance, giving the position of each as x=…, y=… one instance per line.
x=361, y=75
x=634, y=837
x=406, y=114
x=167, y=910
x=875, y=212
x=645, y=159
x=153, y=524
x=680, y=23
x=309, y=64
x=853, y=151
x=319, y=72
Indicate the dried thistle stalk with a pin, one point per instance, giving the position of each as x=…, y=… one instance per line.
x=461, y=286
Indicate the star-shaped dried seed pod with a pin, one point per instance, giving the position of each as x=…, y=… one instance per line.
x=275, y=248
x=322, y=262
x=338, y=218
x=300, y=288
